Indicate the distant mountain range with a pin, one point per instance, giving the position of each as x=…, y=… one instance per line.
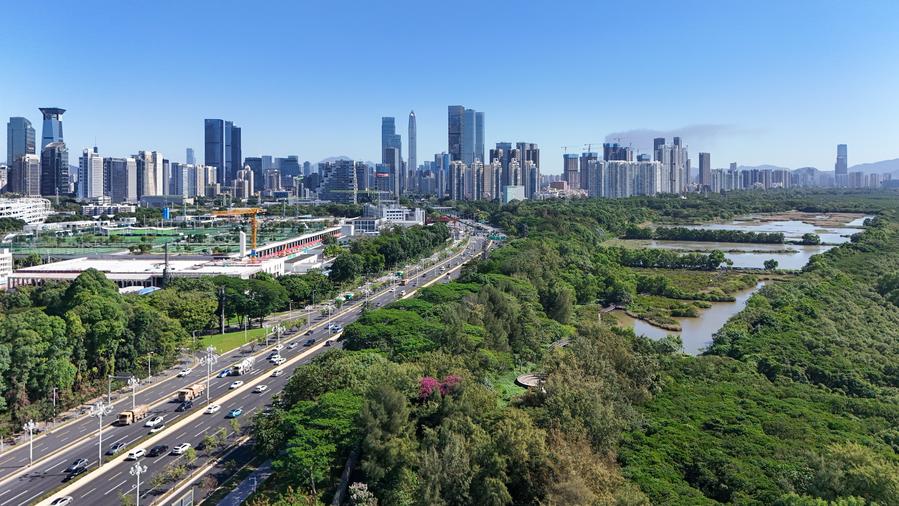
x=881, y=167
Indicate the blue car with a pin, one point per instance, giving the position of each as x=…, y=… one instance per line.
x=224, y=373
x=234, y=413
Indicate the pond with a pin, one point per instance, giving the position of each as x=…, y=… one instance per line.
x=696, y=333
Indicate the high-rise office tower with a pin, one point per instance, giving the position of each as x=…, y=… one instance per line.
x=570, y=170
x=149, y=169
x=413, y=147
x=392, y=159
x=455, y=123
x=307, y=168
x=502, y=152
x=531, y=176
x=479, y=136
x=584, y=167
x=614, y=151
x=841, y=167
x=389, y=137
x=52, y=130
x=259, y=170
x=222, y=148
x=189, y=157
x=55, y=169
x=339, y=181
x=705, y=171
x=657, y=144
x=122, y=174
x=90, y=175
x=19, y=139
x=25, y=176
x=458, y=176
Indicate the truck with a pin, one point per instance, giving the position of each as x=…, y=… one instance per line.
x=132, y=415
x=404, y=282
x=192, y=392
x=241, y=368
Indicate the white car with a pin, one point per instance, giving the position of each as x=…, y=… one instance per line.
x=62, y=501
x=260, y=388
x=136, y=454
x=180, y=449
x=279, y=347
x=279, y=361
x=275, y=357
x=278, y=372
x=153, y=422
x=212, y=408
x=158, y=428
x=292, y=345
x=184, y=372
x=236, y=384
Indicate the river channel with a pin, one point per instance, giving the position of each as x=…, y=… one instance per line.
x=696, y=333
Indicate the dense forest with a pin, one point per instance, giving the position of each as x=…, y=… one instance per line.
x=700, y=234
x=795, y=404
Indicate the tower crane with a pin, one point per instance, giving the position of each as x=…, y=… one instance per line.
x=244, y=211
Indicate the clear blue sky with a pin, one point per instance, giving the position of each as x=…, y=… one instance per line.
x=754, y=82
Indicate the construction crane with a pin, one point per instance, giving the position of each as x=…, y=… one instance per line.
x=244, y=211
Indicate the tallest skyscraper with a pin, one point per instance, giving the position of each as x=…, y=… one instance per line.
x=222, y=149
x=841, y=167
x=52, y=131
x=413, y=148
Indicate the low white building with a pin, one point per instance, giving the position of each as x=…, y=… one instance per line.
x=6, y=266
x=31, y=210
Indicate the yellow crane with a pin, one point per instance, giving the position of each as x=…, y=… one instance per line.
x=244, y=211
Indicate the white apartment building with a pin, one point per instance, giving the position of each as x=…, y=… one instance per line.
x=31, y=210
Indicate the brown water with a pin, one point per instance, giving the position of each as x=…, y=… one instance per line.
x=696, y=333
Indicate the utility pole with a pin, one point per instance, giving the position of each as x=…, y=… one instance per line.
x=222, y=302
x=100, y=410
x=30, y=426
x=149, y=373
x=133, y=382
x=209, y=360
x=136, y=471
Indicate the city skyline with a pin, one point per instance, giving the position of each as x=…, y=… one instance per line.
x=730, y=98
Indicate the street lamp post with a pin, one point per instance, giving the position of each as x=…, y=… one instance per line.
x=149, y=372
x=30, y=426
x=136, y=471
x=133, y=382
x=100, y=410
x=208, y=360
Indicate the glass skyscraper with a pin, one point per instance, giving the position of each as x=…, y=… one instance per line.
x=466, y=134
x=222, y=149
x=55, y=169
x=19, y=139
x=52, y=130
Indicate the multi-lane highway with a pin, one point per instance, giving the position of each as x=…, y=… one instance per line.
x=107, y=484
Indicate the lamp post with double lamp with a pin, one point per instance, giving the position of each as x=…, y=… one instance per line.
x=209, y=359
x=30, y=426
x=100, y=409
x=136, y=471
x=133, y=382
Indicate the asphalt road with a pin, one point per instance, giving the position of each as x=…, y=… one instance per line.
x=107, y=487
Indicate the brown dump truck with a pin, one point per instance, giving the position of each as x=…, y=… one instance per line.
x=192, y=392
x=133, y=415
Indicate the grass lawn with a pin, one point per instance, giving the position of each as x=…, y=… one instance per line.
x=230, y=340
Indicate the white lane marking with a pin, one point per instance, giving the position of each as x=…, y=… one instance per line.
x=202, y=431
x=28, y=501
x=110, y=490
x=63, y=433
x=5, y=492
x=160, y=458
x=116, y=475
x=13, y=498
x=56, y=465
x=88, y=492
x=179, y=436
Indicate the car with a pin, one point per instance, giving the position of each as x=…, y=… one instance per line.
x=328, y=342
x=309, y=342
x=212, y=408
x=279, y=361
x=309, y=332
x=279, y=347
x=292, y=345
x=158, y=428
x=184, y=406
x=184, y=372
x=153, y=422
x=236, y=384
x=393, y=289
x=62, y=501
x=403, y=293
x=337, y=328
x=275, y=357
x=180, y=449
x=136, y=454
x=260, y=388
x=234, y=413
x=224, y=373
x=116, y=448
x=277, y=372
x=79, y=464
x=158, y=450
